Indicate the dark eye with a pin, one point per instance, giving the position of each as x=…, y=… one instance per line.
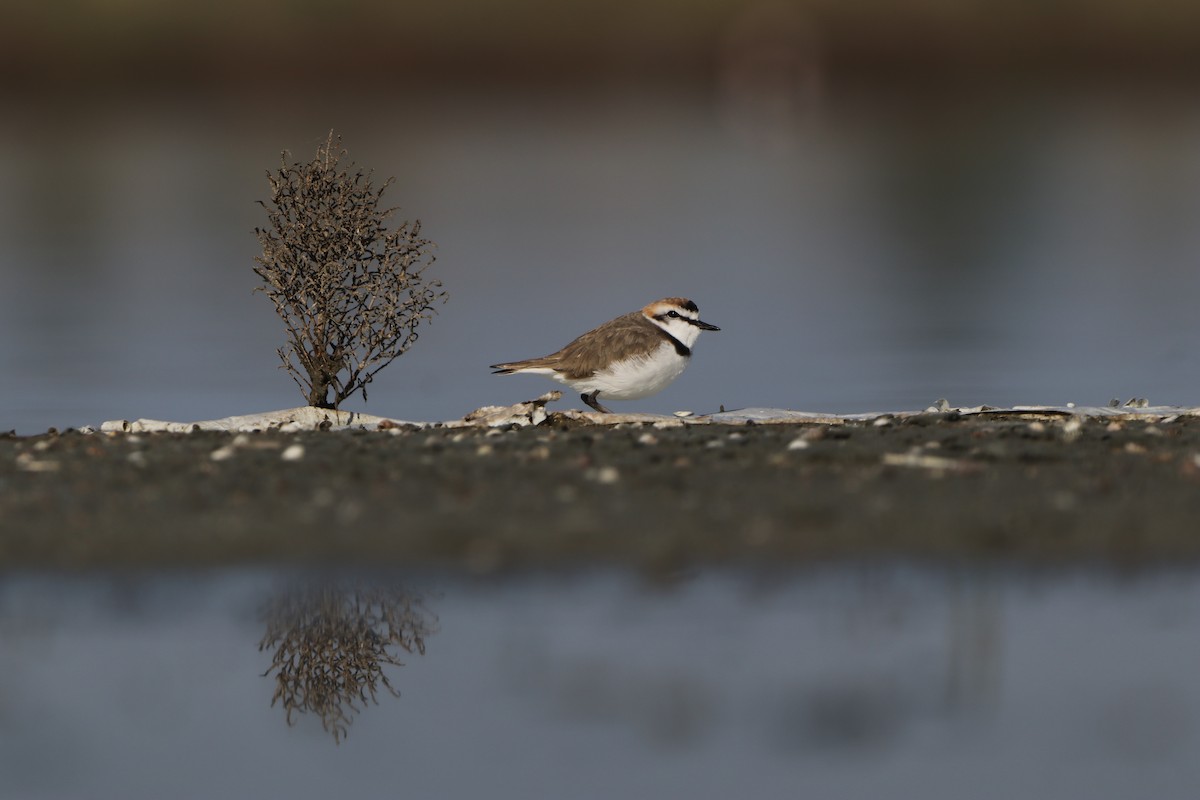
x=674, y=314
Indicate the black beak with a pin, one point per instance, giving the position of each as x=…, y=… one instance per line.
x=704, y=325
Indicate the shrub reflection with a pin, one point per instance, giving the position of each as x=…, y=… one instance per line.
x=331, y=644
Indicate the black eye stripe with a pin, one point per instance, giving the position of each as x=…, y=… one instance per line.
x=677, y=315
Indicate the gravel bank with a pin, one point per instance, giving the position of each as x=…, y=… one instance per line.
x=933, y=485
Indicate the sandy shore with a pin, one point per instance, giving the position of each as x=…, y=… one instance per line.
x=933, y=485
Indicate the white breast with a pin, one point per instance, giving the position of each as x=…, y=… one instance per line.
x=636, y=377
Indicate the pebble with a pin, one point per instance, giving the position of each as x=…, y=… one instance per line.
x=28, y=463
x=604, y=475
x=293, y=452
x=222, y=453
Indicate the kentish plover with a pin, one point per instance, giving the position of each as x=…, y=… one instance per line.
x=633, y=356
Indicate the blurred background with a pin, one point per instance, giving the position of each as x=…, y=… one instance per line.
x=881, y=204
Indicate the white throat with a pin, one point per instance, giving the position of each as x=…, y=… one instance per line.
x=680, y=328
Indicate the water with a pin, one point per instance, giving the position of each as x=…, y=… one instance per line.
x=835, y=682
x=873, y=253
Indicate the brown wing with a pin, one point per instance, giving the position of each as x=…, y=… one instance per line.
x=622, y=338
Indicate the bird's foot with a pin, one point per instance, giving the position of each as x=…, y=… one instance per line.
x=591, y=400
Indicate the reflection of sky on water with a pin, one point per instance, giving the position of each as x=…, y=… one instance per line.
x=842, y=683
x=1005, y=251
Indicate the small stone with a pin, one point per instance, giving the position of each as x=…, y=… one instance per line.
x=647, y=439
x=222, y=453
x=28, y=463
x=799, y=444
x=683, y=413
x=604, y=475
x=293, y=452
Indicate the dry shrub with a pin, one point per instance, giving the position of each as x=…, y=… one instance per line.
x=351, y=292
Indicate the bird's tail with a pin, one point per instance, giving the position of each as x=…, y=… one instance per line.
x=509, y=367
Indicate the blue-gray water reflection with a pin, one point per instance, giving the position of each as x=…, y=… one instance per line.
x=842, y=682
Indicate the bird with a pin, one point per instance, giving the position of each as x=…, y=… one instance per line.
x=633, y=356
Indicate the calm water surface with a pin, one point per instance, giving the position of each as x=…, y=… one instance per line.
x=837, y=682
x=874, y=253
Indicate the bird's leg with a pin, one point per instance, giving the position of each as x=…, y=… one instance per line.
x=590, y=399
